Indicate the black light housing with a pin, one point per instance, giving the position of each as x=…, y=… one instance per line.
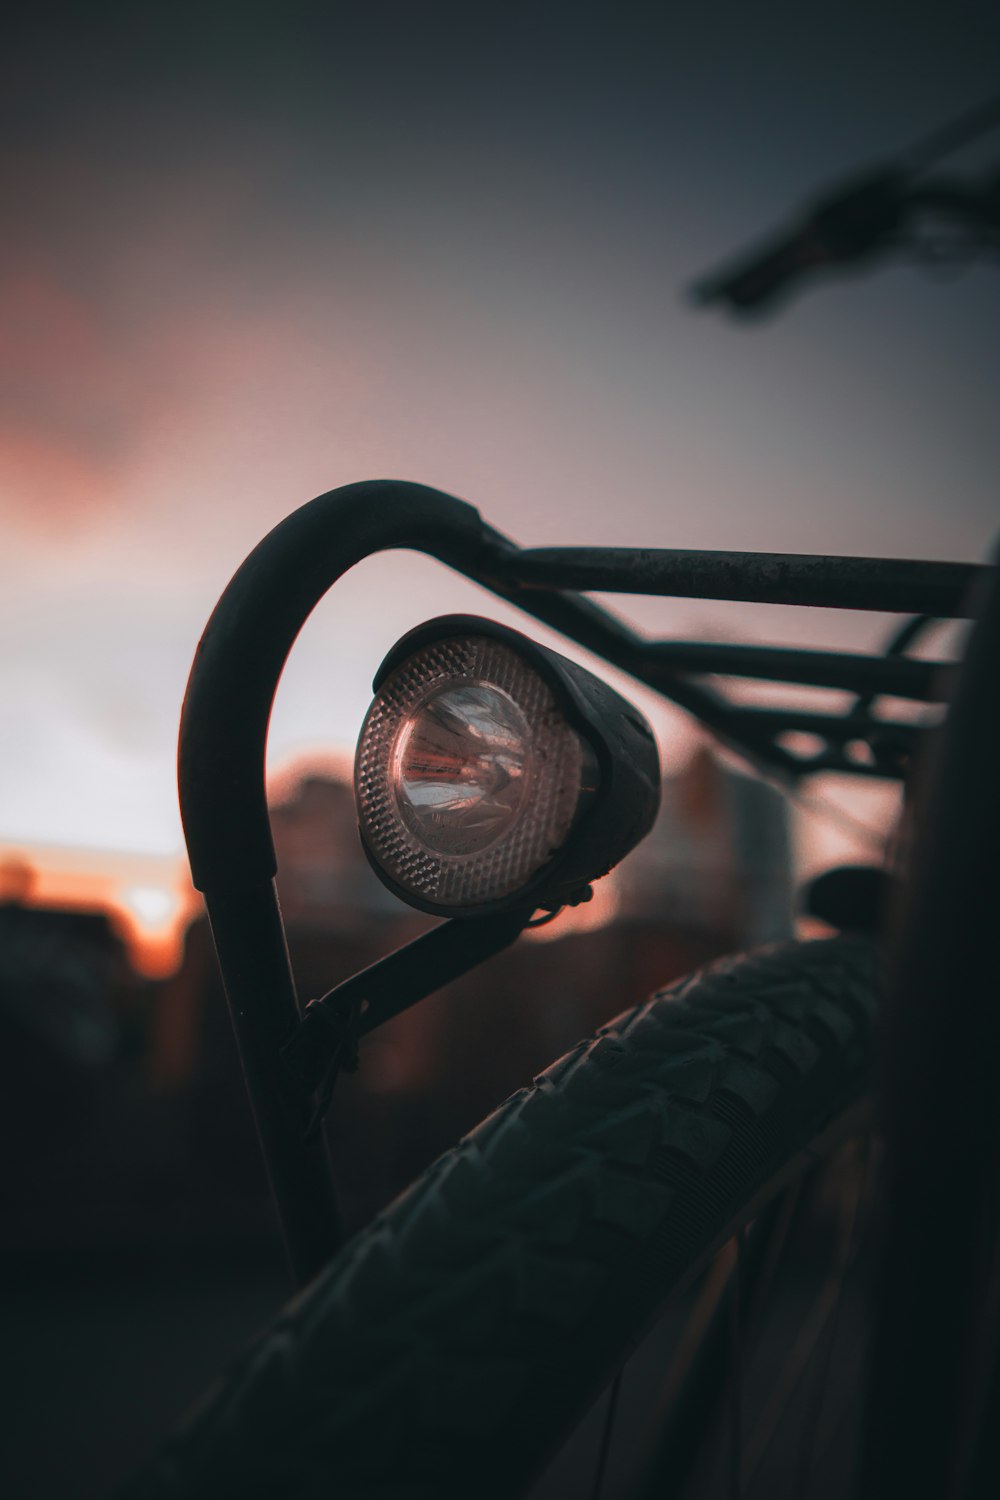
x=492, y=773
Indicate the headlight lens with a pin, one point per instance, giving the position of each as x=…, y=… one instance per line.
x=468, y=775
x=458, y=767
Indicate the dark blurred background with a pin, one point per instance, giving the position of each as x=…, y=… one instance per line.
x=252, y=252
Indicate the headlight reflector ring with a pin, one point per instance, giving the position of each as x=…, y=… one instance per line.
x=468, y=775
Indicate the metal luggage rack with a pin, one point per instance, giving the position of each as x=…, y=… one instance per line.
x=251, y=632
x=875, y=213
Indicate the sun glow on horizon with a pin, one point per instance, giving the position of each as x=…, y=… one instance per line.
x=149, y=899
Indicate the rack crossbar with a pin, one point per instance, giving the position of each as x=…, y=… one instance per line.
x=886, y=585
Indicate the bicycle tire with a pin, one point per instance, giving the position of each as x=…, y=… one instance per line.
x=453, y=1343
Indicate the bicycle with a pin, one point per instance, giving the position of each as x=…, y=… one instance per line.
x=454, y=1341
x=747, y=1069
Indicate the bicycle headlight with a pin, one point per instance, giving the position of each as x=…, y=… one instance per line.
x=491, y=772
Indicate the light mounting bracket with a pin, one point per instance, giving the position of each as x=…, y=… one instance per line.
x=324, y=1044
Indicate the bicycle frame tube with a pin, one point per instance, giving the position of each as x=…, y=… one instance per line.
x=223, y=737
x=221, y=774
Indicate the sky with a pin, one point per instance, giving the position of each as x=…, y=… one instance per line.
x=252, y=252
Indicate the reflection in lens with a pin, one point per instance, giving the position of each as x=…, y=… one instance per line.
x=459, y=767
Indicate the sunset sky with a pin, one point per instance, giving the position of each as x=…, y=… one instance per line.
x=253, y=252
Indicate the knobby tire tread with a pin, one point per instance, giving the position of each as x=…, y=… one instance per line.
x=455, y=1340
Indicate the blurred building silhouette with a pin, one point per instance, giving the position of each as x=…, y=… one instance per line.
x=325, y=880
x=70, y=1033
x=64, y=977
x=718, y=862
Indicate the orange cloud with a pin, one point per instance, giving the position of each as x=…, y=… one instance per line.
x=66, y=399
